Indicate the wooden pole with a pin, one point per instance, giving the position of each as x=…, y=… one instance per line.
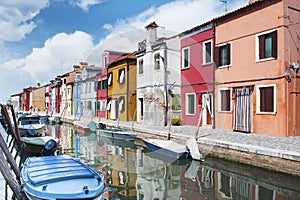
x=8, y=176
x=9, y=157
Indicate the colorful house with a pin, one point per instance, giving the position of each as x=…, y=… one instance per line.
x=15, y=100
x=158, y=78
x=257, y=61
x=48, y=97
x=56, y=95
x=26, y=99
x=67, y=88
x=197, y=70
x=88, y=89
x=121, y=91
x=38, y=98
x=107, y=57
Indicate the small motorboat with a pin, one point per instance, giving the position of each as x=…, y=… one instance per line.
x=60, y=177
x=119, y=134
x=167, y=148
x=31, y=125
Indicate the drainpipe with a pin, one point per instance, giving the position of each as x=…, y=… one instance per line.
x=214, y=79
x=165, y=84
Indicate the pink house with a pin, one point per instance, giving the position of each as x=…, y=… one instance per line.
x=107, y=57
x=197, y=75
x=257, y=60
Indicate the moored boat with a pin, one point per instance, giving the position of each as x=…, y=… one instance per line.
x=115, y=133
x=31, y=125
x=60, y=177
x=34, y=145
x=167, y=148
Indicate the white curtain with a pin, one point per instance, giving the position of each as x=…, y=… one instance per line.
x=242, y=109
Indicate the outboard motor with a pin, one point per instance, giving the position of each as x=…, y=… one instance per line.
x=102, y=126
x=49, y=148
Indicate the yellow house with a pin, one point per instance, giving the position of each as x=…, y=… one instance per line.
x=121, y=91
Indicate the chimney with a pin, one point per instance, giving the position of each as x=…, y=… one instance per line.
x=151, y=33
x=252, y=1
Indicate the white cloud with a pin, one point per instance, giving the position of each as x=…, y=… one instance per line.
x=174, y=17
x=85, y=4
x=56, y=57
x=16, y=16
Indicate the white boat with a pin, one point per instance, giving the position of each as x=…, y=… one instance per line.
x=115, y=133
x=54, y=120
x=60, y=177
x=167, y=148
x=31, y=125
x=34, y=145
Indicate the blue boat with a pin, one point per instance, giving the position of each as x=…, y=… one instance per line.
x=60, y=177
x=167, y=148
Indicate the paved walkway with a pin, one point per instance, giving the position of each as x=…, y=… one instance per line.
x=280, y=147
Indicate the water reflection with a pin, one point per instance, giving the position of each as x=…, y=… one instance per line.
x=132, y=172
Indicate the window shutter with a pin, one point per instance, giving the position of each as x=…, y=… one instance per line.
x=228, y=61
x=274, y=44
x=261, y=44
x=217, y=57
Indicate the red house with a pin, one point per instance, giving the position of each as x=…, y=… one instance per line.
x=197, y=75
x=107, y=57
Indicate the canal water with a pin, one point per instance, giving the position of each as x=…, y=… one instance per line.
x=133, y=172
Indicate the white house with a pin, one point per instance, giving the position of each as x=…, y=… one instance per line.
x=158, y=77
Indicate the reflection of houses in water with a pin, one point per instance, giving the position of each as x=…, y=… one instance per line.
x=156, y=179
x=120, y=169
x=204, y=182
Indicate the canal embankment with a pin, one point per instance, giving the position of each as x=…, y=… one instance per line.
x=279, y=154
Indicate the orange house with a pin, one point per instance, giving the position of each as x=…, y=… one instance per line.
x=257, y=86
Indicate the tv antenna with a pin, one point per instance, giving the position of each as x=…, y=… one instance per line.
x=225, y=2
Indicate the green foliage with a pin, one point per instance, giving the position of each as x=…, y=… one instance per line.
x=176, y=121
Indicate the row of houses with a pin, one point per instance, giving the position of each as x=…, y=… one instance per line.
x=236, y=72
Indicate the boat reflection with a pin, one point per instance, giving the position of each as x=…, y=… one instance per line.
x=133, y=172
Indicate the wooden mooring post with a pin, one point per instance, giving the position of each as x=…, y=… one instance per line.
x=8, y=166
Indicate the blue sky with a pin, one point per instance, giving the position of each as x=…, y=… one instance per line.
x=40, y=39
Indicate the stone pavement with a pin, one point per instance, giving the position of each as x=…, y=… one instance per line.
x=279, y=147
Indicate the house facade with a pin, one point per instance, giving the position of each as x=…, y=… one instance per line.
x=121, y=90
x=38, y=99
x=87, y=90
x=158, y=77
x=197, y=70
x=15, y=100
x=107, y=57
x=256, y=77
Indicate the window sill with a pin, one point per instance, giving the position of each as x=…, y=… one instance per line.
x=206, y=64
x=224, y=66
x=221, y=111
x=265, y=59
x=266, y=113
x=188, y=114
x=185, y=68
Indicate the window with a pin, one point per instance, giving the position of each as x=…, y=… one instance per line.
x=176, y=102
x=121, y=104
x=266, y=45
x=110, y=77
x=185, y=58
x=223, y=57
x=141, y=66
x=105, y=62
x=266, y=99
x=89, y=105
x=104, y=84
x=121, y=76
x=207, y=52
x=224, y=100
x=99, y=85
x=156, y=61
x=190, y=104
